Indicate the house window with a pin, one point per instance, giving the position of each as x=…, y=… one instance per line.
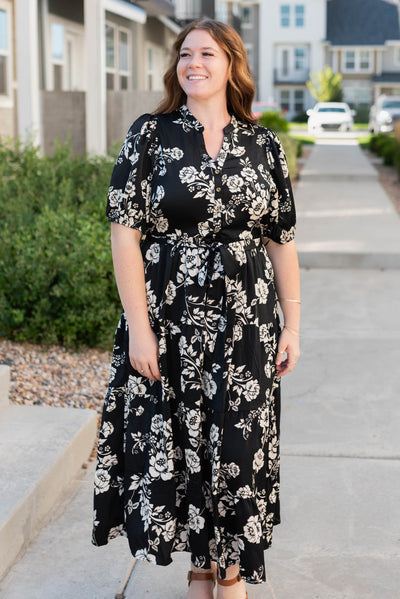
x=117, y=57
x=299, y=59
x=285, y=15
x=4, y=53
x=285, y=63
x=350, y=60
x=299, y=15
x=246, y=15
x=365, y=57
x=298, y=101
x=57, y=55
x=285, y=100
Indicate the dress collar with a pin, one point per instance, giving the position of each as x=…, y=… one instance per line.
x=191, y=121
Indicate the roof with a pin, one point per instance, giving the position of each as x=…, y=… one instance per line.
x=387, y=78
x=362, y=22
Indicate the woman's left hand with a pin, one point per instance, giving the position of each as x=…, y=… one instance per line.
x=288, y=344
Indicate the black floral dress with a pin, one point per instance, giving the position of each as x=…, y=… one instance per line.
x=191, y=462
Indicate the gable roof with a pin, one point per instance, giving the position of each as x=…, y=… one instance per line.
x=362, y=22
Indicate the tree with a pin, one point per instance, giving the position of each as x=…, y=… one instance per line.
x=326, y=86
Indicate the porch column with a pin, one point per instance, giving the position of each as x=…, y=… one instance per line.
x=28, y=91
x=94, y=16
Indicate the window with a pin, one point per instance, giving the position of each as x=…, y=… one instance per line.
x=358, y=60
x=299, y=15
x=246, y=15
x=4, y=57
x=117, y=57
x=350, y=60
x=364, y=60
x=285, y=63
x=299, y=59
x=285, y=15
x=57, y=55
x=285, y=100
x=298, y=101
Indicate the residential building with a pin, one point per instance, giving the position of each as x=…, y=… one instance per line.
x=358, y=38
x=290, y=47
x=363, y=43
x=83, y=68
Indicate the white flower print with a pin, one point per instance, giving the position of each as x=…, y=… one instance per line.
x=258, y=460
x=209, y=385
x=170, y=292
x=251, y=390
x=234, y=183
x=214, y=433
x=196, y=521
x=252, y=530
x=188, y=174
x=153, y=253
x=192, y=461
x=107, y=429
x=193, y=422
x=244, y=492
x=168, y=530
x=261, y=291
x=108, y=460
x=101, y=481
x=159, y=466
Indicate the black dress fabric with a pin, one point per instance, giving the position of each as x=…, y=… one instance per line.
x=191, y=462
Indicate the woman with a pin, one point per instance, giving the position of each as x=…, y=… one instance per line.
x=188, y=456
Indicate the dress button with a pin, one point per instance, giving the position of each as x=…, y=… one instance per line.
x=218, y=189
x=217, y=229
x=217, y=209
x=217, y=171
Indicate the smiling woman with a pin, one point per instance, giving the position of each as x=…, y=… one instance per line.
x=188, y=456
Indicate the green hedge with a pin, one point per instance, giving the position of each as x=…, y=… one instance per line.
x=56, y=278
x=388, y=147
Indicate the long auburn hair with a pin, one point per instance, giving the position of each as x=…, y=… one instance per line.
x=240, y=88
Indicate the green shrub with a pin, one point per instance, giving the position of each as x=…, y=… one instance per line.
x=291, y=148
x=362, y=114
x=301, y=117
x=275, y=121
x=56, y=280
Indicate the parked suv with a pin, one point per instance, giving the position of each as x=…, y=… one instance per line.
x=384, y=113
x=330, y=116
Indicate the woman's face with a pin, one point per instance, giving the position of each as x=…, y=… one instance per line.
x=203, y=67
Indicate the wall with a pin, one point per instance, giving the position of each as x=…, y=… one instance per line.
x=123, y=107
x=63, y=113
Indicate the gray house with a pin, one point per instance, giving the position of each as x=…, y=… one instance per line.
x=363, y=43
x=83, y=68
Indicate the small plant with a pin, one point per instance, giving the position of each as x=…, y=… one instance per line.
x=275, y=121
x=56, y=279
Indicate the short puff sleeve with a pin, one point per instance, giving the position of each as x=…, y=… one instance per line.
x=129, y=194
x=279, y=222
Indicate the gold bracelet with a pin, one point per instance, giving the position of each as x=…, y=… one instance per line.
x=291, y=330
x=285, y=299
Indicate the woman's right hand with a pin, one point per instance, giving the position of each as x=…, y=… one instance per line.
x=144, y=352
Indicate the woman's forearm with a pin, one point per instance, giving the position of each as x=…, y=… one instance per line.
x=287, y=279
x=129, y=275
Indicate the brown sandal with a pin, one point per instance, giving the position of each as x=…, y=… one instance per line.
x=230, y=582
x=200, y=576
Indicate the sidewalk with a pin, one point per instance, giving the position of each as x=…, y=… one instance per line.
x=340, y=531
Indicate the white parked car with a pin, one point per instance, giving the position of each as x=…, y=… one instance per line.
x=330, y=116
x=384, y=113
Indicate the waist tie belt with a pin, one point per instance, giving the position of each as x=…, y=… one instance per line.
x=226, y=250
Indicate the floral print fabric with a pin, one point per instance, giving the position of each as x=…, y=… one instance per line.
x=191, y=462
